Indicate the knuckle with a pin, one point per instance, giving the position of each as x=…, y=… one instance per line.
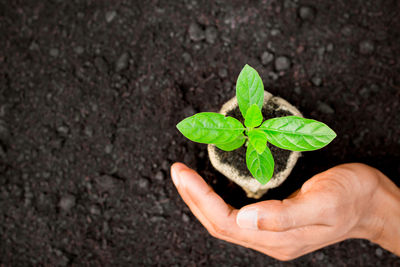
x=222, y=230
x=280, y=219
x=333, y=209
x=281, y=223
x=219, y=230
x=335, y=212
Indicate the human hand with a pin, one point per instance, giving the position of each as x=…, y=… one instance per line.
x=347, y=201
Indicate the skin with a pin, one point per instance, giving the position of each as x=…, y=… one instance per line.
x=347, y=201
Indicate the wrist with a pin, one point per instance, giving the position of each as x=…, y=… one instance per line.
x=385, y=229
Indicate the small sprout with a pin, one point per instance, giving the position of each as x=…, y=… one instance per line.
x=253, y=117
x=227, y=133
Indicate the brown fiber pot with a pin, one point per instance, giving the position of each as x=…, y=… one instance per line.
x=250, y=185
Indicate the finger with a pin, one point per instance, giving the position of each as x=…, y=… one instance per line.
x=275, y=215
x=294, y=194
x=213, y=213
x=200, y=197
x=218, y=217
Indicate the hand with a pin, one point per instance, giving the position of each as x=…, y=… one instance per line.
x=347, y=201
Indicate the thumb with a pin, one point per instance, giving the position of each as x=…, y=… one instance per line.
x=275, y=215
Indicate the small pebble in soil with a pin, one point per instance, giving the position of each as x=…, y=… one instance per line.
x=101, y=64
x=4, y=132
x=347, y=30
x=366, y=47
x=145, y=88
x=273, y=75
x=185, y=218
x=94, y=106
x=379, y=252
x=110, y=15
x=222, y=73
x=211, y=34
x=267, y=58
x=122, y=62
x=316, y=80
x=329, y=47
x=202, y=154
x=297, y=90
x=374, y=88
x=360, y=137
x=28, y=196
x=95, y=210
x=320, y=256
x=321, y=52
x=189, y=111
x=282, y=63
x=165, y=165
x=159, y=176
x=157, y=219
x=307, y=13
x=88, y=131
x=325, y=108
x=105, y=182
x=186, y=57
x=196, y=33
x=143, y=184
x=33, y=46
x=62, y=258
x=54, y=52
x=62, y=129
x=228, y=87
x=275, y=32
x=365, y=92
x=67, y=202
x=79, y=50
x=108, y=149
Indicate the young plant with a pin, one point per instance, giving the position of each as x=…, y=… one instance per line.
x=227, y=133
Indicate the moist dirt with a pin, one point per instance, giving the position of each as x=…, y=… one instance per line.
x=91, y=91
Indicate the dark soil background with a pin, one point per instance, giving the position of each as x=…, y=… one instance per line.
x=90, y=92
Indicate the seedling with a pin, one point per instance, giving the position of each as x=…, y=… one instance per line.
x=227, y=133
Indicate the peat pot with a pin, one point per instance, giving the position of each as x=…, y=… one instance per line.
x=232, y=164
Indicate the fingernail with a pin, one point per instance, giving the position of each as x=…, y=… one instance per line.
x=247, y=218
x=175, y=177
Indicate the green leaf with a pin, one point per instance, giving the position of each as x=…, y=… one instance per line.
x=235, y=144
x=297, y=134
x=249, y=89
x=258, y=139
x=261, y=166
x=210, y=128
x=253, y=116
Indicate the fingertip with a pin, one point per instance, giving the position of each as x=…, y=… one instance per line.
x=190, y=176
x=176, y=169
x=182, y=174
x=178, y=166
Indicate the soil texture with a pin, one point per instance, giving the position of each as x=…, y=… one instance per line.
x=91, y=91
